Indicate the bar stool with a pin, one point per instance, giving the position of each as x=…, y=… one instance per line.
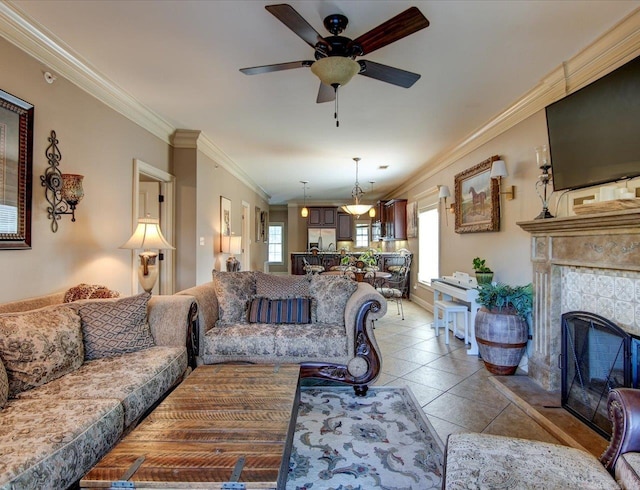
x=450, y=311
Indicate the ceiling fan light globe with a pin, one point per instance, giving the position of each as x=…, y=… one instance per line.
x=335, y=70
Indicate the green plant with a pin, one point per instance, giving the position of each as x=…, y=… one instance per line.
x=478, y=265
x=369, y=258
x=499, y=296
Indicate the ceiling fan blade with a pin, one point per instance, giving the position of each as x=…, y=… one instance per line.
x=325, y=94
x=256, y=70
x=388, y=74
x=286, y=14
x=402, y=25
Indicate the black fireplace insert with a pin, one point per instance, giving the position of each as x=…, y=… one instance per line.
x=597, y=356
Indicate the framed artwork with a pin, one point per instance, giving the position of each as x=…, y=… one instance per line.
x=264, y=220
x=16, y=170
x=225, y=219
x=257, y=223
x=412, y=219
x=477, y=197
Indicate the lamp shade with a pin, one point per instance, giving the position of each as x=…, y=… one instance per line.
x=305, y=212
x=235, y=245
x=335, y=70
x=444, y=192
x=356, y=209
x=498, y=169
x=147, y=236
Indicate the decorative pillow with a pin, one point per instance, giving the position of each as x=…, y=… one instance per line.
x=330, y=294
x=39, y=346
x=279, y=287
x=114, y=327
x=4, y=385
x=234, y=291
x=288, y=310
x=89, y=291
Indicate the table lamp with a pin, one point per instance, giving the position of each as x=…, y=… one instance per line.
x=146, y=237
x=232, y=245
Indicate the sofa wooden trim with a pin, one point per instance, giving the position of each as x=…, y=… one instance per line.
x=623, y=405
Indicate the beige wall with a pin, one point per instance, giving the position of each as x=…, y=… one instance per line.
x=506, y=251
x=100, y=144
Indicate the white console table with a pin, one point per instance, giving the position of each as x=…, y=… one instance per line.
x=465, y=294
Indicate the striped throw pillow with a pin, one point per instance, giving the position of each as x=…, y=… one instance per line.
x=289, y=310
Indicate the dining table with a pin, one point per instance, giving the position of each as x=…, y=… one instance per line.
x=375, y=278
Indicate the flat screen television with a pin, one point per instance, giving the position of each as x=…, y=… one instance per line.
x=594, y=133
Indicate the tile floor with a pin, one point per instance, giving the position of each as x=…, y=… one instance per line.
x=452, y=387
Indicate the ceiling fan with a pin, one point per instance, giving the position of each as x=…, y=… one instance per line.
x=335, y=55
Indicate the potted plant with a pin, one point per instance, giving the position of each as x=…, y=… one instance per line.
x=501, y=326
x=369, y=259
x=484, y=275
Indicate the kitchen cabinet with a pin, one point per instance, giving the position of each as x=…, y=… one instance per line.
x=377, y=226
x=395, y=219
x=345, y=227
x=322, y=217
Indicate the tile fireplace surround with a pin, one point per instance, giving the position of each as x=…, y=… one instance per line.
x=581, y=263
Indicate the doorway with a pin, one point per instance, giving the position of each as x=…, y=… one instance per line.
x=149, y=183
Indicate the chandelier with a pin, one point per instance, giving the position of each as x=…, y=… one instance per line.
x=356, y=209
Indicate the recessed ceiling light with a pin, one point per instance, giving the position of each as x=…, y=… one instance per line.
x=383, y=167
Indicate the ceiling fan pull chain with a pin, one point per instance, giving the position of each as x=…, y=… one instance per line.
x=335, y=114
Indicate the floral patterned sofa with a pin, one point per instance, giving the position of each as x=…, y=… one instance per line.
x=75, y=377
x=324, y=323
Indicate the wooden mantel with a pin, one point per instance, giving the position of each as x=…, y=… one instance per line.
x=608, y=241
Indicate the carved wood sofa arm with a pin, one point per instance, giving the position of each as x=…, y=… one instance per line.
x=624, y=412
x=364, y=367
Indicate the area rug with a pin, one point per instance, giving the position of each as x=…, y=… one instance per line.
x=345, y=442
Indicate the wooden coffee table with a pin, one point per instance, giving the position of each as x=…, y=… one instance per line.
x=225, y=426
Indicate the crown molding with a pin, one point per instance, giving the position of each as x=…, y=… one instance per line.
x=185, y=138
x=614, y=48
x=32, y=38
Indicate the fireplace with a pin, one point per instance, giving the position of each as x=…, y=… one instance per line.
x=581, y=263
x=597, y=356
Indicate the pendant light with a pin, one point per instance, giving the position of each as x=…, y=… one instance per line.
x=372, y=211
x=356, y=209
x=305, y=211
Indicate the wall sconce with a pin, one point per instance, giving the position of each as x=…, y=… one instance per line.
x=148, y=236
x=305, y=210
x=232, y=245
x=499, y=170
x=443, y=193
x=62, y=191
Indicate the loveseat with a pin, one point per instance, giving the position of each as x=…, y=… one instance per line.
x=75, y=377
x=474, y=461
x=323, y=323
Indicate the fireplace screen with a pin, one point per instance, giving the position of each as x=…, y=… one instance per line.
x=597, y=356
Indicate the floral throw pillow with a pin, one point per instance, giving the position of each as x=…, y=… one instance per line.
x=234, y=291
x=114, y=327
x=331, y=294
x=39, y=346
x=4, y=385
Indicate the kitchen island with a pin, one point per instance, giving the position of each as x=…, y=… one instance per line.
x=331, y=259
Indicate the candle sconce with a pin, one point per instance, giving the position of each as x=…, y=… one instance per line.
x=62, y=191
x=542, y=159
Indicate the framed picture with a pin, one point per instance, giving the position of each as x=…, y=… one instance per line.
x=257, y=223
x=412, y=219
x=225, y=220
x=264, y=220
x=477, y=197
x=16, y=168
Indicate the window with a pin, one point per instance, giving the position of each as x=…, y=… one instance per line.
x=362, y=235
x=276, y=243
x=428, y=243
